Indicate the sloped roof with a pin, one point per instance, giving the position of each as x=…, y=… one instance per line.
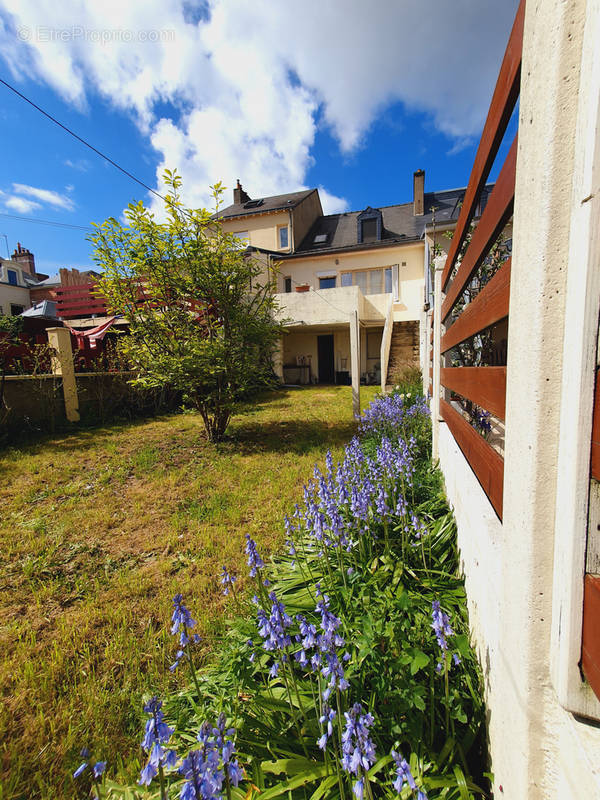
x=278, y=202
x=45, y=309
x=339, y=231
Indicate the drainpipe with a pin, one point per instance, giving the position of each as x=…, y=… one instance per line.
x=292, y=247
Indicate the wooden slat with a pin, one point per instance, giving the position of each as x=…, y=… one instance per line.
x=485, y=462
x=497, y=213
x=502, y=105
x=596, y=431
x=590, y=647
x=485, y=386
x=490, y=306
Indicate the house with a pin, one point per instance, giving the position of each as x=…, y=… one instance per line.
x=351, y=287
x=17, y=276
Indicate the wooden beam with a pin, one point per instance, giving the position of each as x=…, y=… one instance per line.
x=485, y=462
x=497, y=213
x=490, y=306
x=590, y=648
x=485, y=386
x=501, y=108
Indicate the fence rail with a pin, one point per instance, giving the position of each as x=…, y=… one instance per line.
x=484, y=386
x=73, y=302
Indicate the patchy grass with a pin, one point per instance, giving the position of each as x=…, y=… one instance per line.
x=99, y=529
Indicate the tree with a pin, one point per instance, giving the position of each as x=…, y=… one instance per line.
x=200, y=308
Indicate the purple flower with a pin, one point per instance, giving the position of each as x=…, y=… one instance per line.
x=96, y=767
x=182, y=623
x=157, y=733
x=441, y=626
x=403, y=774
x=255, y=562
x=357, y=748
x=327, y=718
x=227, y=580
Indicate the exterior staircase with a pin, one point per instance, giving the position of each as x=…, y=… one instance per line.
x=404, y=350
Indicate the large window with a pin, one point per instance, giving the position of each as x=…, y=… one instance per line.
x=370, y=281
x=242, y=236
x=15, y=310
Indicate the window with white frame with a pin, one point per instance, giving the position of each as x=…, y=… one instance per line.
x=283, y=235
x=370, y=281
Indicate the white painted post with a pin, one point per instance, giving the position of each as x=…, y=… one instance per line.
x=437, y=329
x=62, y=365
x=355, y=361
x=278, y=359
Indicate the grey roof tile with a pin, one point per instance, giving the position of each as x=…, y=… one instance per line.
x=276, y=203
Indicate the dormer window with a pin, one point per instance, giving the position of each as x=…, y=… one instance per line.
x=370, y=226
x=12, y=276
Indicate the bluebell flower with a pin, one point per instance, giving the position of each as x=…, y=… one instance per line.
x=97, y=768
x=255, y=562
x=404, y=776
x=327, y=718
x=357, y=747
x=227, y=580
x=156, y=734
x=441, y=626
x=182, y=623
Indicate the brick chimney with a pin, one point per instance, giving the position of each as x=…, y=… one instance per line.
x=239, y=195
x=24, y=259
x=419, y=192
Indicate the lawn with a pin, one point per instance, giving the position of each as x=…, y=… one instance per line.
x=100, y=528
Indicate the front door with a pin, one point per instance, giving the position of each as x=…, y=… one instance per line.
x=325, y=353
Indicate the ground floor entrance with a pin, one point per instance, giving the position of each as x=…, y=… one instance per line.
x=325, y=358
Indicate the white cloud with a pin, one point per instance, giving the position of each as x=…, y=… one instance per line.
x=45, y=196
x=251, y=81
x=332, y=204
x=21, y=205
x=80, y=164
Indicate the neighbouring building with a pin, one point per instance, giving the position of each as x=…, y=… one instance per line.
x=17, y=276
x=352, y=287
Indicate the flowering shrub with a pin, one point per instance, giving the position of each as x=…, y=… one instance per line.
x=350, y=672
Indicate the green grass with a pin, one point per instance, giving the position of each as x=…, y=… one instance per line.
x=99, y=529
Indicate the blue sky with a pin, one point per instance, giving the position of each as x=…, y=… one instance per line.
x=353, y=104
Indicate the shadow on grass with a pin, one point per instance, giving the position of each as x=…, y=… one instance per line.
x=244, y=435
x=300, y=436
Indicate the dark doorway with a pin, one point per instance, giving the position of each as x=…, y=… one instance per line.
x=325, y=352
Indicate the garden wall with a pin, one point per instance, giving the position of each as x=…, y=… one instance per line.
x=35, y=403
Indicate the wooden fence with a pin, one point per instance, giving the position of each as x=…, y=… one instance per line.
x=484, y=386
x=455, y=323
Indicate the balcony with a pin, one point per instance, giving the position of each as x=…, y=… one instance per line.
x=331, y=306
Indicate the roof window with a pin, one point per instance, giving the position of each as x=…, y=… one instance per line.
x=320, y=238
x=253, y=203
x=370, y=225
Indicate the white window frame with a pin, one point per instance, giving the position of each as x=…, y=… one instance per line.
x=285, y=228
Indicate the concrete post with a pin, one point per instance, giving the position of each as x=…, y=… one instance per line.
x=62, y=364
x=437, y=329
x=278, y=359
x=355, y=361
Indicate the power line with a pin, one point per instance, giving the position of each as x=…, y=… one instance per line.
x=47, y=222
x=80, y=139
